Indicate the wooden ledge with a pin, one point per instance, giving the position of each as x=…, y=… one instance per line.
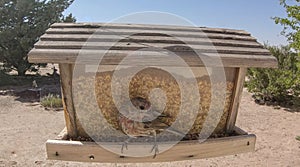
x=186, y=150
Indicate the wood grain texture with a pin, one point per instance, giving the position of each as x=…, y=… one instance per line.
x=145, y=32
x=66, y=74
x=237, y=94
x=114, y=57
x=186, y=150
x=63, y=42
x=136, y=46
x=151, y=27
x=147, y=39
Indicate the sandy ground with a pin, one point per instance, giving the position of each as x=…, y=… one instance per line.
x=25, y=127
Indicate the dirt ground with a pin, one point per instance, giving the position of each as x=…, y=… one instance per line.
x=25, y=127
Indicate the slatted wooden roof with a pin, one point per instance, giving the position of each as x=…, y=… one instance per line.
x=63, y=42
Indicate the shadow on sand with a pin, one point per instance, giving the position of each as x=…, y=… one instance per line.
x=29, y=88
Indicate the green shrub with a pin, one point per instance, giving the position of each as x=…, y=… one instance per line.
x=298, y=138
x=51, y=101
x=12, y=80
x=281, y=85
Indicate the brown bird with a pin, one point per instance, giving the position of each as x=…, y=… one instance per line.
x=142, y=122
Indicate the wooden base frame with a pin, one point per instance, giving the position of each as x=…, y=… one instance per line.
x=61, y=149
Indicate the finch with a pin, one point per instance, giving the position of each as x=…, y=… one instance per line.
x=144, y=122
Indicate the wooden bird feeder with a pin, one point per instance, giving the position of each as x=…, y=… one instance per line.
x=237, y=50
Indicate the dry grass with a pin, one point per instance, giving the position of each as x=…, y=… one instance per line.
x=51, y=101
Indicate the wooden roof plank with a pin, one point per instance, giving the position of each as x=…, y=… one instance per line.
x=149, y=27
x=63, y=42
x=137, y=46
x=130, y=32
x=114, y=57
x=148, y=39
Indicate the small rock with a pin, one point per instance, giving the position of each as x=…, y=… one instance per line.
x=260, y=101
x=277, y=107
x=12, y=163
x=38, y=162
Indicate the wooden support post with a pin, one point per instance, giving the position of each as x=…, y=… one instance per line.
x=236, y=98
x=66, y=74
